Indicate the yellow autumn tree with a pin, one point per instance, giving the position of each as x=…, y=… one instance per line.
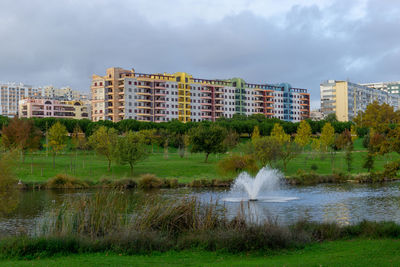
x=303, y=134
x=256, y=134
x=327, y=140
x=279, y=134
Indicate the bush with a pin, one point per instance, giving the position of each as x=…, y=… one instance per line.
x=235, y=164
x=170, y=183
x=124, y=184
x=314, y=167
x=62, y=181
x=201, y=183
x=147, y=181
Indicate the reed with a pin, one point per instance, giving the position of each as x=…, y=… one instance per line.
x=114, y=222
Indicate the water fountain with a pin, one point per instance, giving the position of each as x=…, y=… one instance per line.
x=258, y=188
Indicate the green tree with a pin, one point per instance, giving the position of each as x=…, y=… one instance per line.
x=78, y=138
x=369, y=162
x=266, y=150
x=327, y=140
x=164, y=137
x=316, y=146
x=209, y=140
x=235, y=164
x=279, y=134
x=131, y=148
x=231, y=139
x=104, y=141
x=289, y=150
x=150, y=137
x=344, y=141
x=57, y=139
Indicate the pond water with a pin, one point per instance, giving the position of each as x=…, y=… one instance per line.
x=342, y=203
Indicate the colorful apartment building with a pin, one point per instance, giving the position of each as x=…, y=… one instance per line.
x=346, y=99
x=12, y=93
x=125, y=94
x=49, y=108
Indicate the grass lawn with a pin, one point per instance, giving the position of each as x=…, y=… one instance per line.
x=89, y=166
x=357, y=252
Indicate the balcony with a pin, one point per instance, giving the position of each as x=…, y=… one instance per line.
x=144, y=86
x=143, y=93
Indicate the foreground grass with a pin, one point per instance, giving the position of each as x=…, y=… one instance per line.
x=358, y=252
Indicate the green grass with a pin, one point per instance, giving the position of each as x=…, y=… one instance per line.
x=92, y=167
x=359, y=252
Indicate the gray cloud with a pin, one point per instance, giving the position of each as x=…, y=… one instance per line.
x=65, y=42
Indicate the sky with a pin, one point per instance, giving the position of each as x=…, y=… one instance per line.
x=303, y=42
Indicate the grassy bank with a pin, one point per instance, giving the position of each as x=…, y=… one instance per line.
x=89, y=167
x=358, y=252
x=121, y=224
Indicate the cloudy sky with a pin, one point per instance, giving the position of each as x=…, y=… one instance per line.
x=302, y=42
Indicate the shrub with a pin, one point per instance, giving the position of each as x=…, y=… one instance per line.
x=170, y=183
x=314, y=167
x=201, y=183
x=147, y=181
x=235, y=164
x=124, y=184
x=65, y=182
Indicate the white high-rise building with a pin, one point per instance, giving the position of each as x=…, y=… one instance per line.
x=12, y=93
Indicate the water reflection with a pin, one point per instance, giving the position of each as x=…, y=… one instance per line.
x=344, y=204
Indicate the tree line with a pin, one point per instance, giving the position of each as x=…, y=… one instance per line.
x=272, y=140
x=241, y=124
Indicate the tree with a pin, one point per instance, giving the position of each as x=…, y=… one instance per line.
x=344, y=141
x=131, y=148
x=231, y=139
x=78, y=138
x=237, y=163
x=327, y=140
x=57, y=139
x=316, y=145
x=289, y=150
x=21, y=134
x=303, y=134
x=104, y=141
x=266, y=150
x=377, y=117
x=279, y=134
x=150, y=137
x=208, y=139
x=256, y=134
x=369, y=162
x=164, y=137
x=331, y=118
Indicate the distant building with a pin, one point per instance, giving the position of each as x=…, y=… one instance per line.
x=45, y=108
x=346, y=99
x=125, y=94
x=11, y=93
x=390, y=87
x=64, y=93
x=316, y=115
